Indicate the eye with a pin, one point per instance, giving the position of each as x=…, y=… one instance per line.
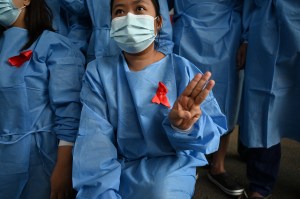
x=140, y=9
x=119, y=12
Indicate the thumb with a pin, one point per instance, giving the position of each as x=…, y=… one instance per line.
x=177, y=116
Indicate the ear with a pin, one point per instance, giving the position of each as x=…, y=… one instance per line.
x=26, y=2
x=159, y=22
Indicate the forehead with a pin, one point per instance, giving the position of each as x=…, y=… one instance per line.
x=131, y=2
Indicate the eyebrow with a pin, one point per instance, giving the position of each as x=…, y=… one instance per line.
x=140, y=1
x=134, y=2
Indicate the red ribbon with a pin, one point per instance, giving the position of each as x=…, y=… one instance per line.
x=161, y=95
x=18, y=60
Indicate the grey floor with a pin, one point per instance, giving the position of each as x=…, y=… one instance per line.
x=288, y=183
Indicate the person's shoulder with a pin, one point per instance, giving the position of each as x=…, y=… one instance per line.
x=108, y=62
x=181, y=62
x=103, y=64
x=51, y=38
x=102, y=70
x=51, y=43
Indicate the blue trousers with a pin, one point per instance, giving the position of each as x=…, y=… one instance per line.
x=263, y=168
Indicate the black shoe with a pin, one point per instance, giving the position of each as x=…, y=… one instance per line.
x=226, y=184
x=246, y=196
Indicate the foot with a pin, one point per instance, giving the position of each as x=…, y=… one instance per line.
x=226, y=183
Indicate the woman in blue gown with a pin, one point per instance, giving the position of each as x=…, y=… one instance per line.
x=40, y=82
x=148, y=118
x=270, y=104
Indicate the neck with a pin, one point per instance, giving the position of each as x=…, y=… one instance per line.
x=20, y=22
x=139, y=61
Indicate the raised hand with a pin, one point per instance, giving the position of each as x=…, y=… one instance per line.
x=186, y=110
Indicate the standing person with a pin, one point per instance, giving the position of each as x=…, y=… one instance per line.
x=106, y=46
x=270, y=104
x=208, y=34
x=148, y=118
x=39, y=103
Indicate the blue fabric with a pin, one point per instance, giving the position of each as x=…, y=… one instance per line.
x=40, y=97
x=102, y=45
x=270, y=102
x=126, y=147
x=208, y=34
x=80, y=30
x=76, y=7
x=60, y=18
x=71, y=19
x=31, y=184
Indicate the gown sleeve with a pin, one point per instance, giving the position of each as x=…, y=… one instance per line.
x=80, y=29
x=205, y=134
x=76, y=7
x=66, y=68
x=96, y=170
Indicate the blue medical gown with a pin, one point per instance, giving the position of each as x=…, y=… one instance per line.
x=208, y=34
x=126, y=147
x=102, y=45
x=76, y=7
x=41, y=98
x=71, y=19
x=60, y=18
x=270, y=104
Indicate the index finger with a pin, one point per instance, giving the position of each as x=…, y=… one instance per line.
x=190, y=87
x=202, y=83
x=204, y=93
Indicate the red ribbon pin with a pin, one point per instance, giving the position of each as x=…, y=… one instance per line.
x=161, y=95
x=18, y=60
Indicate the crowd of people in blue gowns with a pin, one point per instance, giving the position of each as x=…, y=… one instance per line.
x=118, y=99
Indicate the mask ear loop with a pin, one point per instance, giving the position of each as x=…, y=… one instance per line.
x=157, y=36
x=158, y=28
x=22, y=7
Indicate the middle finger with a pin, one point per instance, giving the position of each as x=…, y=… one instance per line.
x=200, y=85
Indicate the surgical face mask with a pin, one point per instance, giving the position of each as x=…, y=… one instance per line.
x=8, y=13
x=133, y=33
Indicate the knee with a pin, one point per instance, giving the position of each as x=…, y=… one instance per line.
x=173, y=188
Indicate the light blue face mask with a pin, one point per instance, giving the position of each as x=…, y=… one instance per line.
x=133, y=33
x=8, y=13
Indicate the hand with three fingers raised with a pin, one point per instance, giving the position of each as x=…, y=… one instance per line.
x=186, y=109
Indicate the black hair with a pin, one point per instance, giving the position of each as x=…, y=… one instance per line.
x=38, y=17
x=157, y=7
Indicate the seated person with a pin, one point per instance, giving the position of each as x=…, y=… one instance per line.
x=147, y=119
